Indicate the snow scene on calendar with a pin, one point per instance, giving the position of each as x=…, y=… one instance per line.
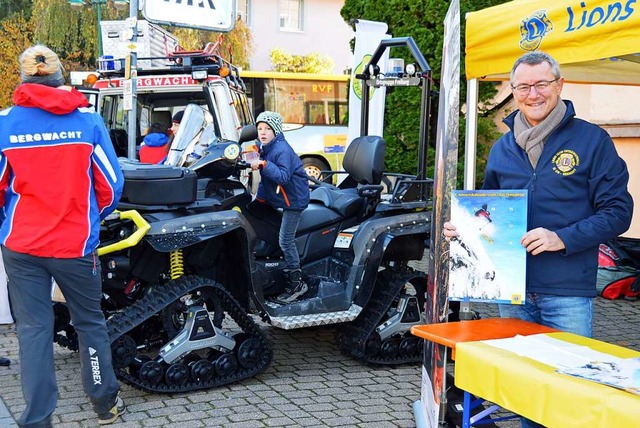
x=487, y=261
x=623, y=373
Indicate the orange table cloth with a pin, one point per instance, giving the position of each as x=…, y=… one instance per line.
x=450, y=334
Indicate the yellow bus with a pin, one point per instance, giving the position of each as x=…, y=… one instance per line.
x=314, y=111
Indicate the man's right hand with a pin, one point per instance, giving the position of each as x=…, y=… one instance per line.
x=539, y=240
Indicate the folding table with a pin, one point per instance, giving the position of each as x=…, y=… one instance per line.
x=528, y=387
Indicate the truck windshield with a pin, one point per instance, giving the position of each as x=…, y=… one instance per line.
x=152, y=107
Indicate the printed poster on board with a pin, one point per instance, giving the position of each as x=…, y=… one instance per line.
x=487, y=263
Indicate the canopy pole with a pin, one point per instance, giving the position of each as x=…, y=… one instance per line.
x=471, y=139
x=471, y=135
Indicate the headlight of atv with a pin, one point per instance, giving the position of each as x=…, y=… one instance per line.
x=232, y=151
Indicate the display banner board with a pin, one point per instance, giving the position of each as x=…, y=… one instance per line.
x=433, y=398
x=368, y=37
x=5, y=311
x=211, y=15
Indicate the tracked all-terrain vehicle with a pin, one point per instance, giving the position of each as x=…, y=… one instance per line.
x=189, y=262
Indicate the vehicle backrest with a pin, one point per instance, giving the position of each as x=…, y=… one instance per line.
x=120, y=141
x=364, y=159
x=162, y=116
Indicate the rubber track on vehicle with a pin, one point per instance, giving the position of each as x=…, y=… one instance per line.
x=161, y=297
x=352, y=338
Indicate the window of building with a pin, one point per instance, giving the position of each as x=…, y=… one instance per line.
x=243, y=9
x=291, y=15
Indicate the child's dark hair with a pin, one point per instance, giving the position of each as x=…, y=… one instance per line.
x=158, y=128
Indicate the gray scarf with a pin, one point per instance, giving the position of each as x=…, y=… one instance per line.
x=532, y=138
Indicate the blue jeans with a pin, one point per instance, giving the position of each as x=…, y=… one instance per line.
x=287, y=238
x=566, y=313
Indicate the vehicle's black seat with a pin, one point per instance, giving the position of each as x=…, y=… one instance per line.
x=364, y=162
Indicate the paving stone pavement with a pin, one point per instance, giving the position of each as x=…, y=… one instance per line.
x=309, y=384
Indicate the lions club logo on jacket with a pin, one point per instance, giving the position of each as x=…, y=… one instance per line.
x=565, y=162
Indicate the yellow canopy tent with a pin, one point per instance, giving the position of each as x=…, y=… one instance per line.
x=595, y=41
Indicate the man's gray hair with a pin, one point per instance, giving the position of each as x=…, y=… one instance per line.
x=535, y=58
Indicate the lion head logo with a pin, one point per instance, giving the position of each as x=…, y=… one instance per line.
x=533, y=29
x=565, y=162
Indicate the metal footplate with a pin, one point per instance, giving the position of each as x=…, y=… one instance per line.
x=300, y=321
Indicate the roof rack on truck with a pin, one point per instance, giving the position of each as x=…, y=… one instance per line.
x=166, y=83
x=200, y=64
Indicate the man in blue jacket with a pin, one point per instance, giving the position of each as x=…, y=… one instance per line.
x=59, y=177
x=578, y=195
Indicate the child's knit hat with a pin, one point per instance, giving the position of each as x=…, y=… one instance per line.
x=271, y=118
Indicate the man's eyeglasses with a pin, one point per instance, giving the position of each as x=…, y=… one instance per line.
x=541, y=86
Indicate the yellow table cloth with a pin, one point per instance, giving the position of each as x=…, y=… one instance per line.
x=534, y=390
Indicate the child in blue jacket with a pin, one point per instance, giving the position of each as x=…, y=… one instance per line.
x=284, y=184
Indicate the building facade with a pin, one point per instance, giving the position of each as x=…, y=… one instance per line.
x=298, y=27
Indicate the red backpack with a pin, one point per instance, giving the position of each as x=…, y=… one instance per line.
x=618, y=273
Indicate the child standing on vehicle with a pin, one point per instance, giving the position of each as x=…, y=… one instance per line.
x=284, y=185
x=155, y=146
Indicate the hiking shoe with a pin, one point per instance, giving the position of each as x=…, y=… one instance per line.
x=112, y=415
x=290, y=295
